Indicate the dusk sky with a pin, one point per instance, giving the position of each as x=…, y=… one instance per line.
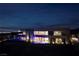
x=32, y=15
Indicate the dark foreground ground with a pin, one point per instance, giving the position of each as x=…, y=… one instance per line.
x=18, y=48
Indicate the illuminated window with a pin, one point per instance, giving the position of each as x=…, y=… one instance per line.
x=58, y=41
x=41, y=40
x=27, y=37
x=37, y=40
x=24, y=33
x=45, y=40
x=23, y=38
x=57, y=33
x=40, y=32
x=41, y=37
x=74, y=39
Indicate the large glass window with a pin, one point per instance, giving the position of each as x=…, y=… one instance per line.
x=41, y=37
x=57, y=33
x=23, y=36
x=41, y=40
x=74, y=39
x=58, y=41
x=40, y=32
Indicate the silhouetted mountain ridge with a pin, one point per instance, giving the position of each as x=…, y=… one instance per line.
x=69, y=26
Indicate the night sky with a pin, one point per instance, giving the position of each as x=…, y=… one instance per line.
x=34, y=15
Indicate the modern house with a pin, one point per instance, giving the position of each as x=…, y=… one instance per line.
x=56, y=35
